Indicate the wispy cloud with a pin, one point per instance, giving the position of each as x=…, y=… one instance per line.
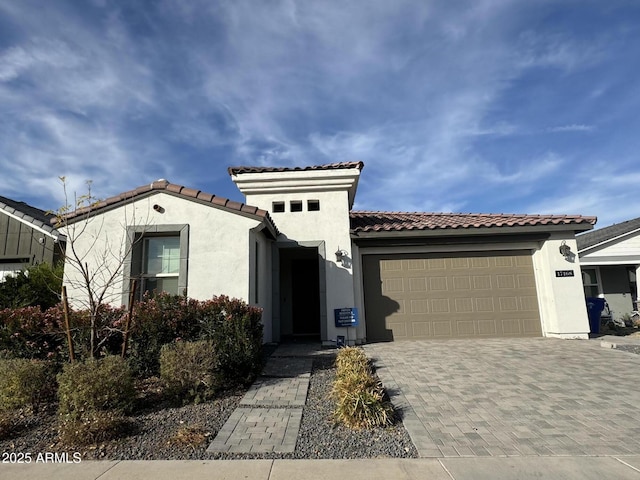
x=572, y=128
x=452, y=106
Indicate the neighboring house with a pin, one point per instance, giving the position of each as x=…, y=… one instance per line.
x=301, y=253
x=610, y=262
x=26, y=237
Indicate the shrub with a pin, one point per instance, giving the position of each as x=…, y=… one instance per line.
x=93, y=427
x=30, y=332
x=157, y=321
x=361, y=401
x=236, y=332
x=95, y=385
x=188, y=370
x=39, y=285
x=94, y=397
x=25, y=383
x=230, y=324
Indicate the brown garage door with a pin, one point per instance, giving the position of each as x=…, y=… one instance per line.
x=450, y=295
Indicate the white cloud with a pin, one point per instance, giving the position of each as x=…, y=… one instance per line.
x=574, y=127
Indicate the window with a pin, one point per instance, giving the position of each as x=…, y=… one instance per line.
x=296, y=206
x=590, y=282
x=313, y=205
x=161, y=264
x=157, y=258
x=278, y=207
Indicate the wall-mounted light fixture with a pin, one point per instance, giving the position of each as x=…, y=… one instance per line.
x=158, y=208
x=342, y=257
x=565, y=250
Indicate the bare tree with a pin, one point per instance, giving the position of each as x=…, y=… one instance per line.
x=95, y=256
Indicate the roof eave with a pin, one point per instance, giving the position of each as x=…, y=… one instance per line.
x=479, y=231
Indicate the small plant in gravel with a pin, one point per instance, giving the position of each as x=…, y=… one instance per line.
x=25, y=384
x=188, y=370
x=94, y=397
x=361, y=401
x=191, y=435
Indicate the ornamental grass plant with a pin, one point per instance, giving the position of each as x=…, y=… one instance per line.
x=361, y=401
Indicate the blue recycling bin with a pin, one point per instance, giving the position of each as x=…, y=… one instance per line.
x=594, y=309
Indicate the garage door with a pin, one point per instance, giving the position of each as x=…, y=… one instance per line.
x=450, y=295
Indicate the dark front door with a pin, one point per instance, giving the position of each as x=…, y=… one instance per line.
x=305, y=289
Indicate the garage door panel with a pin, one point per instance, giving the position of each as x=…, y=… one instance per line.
x=461, y=283
x=419, y=306
x=463, y=305
x=450, y=296
x=465, y=328
x=511, y=326
x=508, y=304
x=487, y=328
x=442, y=329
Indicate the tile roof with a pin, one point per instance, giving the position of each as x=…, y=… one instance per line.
x=328, y=166
x=362, y=222
x=180, y=191
x=601, y=235
x=29, y=214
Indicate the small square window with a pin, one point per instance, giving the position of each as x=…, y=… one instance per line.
x=313, y=205
x=296, y=206
x=278, y=207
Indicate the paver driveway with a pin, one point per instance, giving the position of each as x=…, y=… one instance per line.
x=495, y=397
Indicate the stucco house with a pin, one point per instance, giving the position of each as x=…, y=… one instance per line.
x=610, y=263
x=321, y=270
x=26, y=237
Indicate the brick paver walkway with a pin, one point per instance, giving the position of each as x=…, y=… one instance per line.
x=258, y=425
x=278, y=392
x=259, y=430
x=504, y=397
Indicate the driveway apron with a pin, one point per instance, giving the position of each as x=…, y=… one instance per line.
x=513, y=397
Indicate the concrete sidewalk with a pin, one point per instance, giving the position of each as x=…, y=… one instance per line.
x=494, y=468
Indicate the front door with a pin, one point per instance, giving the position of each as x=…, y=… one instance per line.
x=305, y=292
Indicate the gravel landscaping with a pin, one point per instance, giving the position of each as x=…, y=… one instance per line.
x=159, y=432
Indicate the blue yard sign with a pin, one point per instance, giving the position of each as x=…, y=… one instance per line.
x=346, y=317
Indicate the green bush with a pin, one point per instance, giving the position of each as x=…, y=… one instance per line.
x=157, y=321
x=94, y=397
x=25, y=383
x=30, y=332
x=188, y=370
x=236, y=331
x=94, y=386
x=361, y=401
x=230, y=324
x=39, y=285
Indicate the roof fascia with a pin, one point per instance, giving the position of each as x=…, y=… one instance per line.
x=610, y=240
x=150, y=193
x=440, y=232
x=28, y=220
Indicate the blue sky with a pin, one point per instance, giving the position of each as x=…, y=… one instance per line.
x=490, y=106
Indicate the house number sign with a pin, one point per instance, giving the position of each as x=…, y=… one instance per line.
x=565, y=273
